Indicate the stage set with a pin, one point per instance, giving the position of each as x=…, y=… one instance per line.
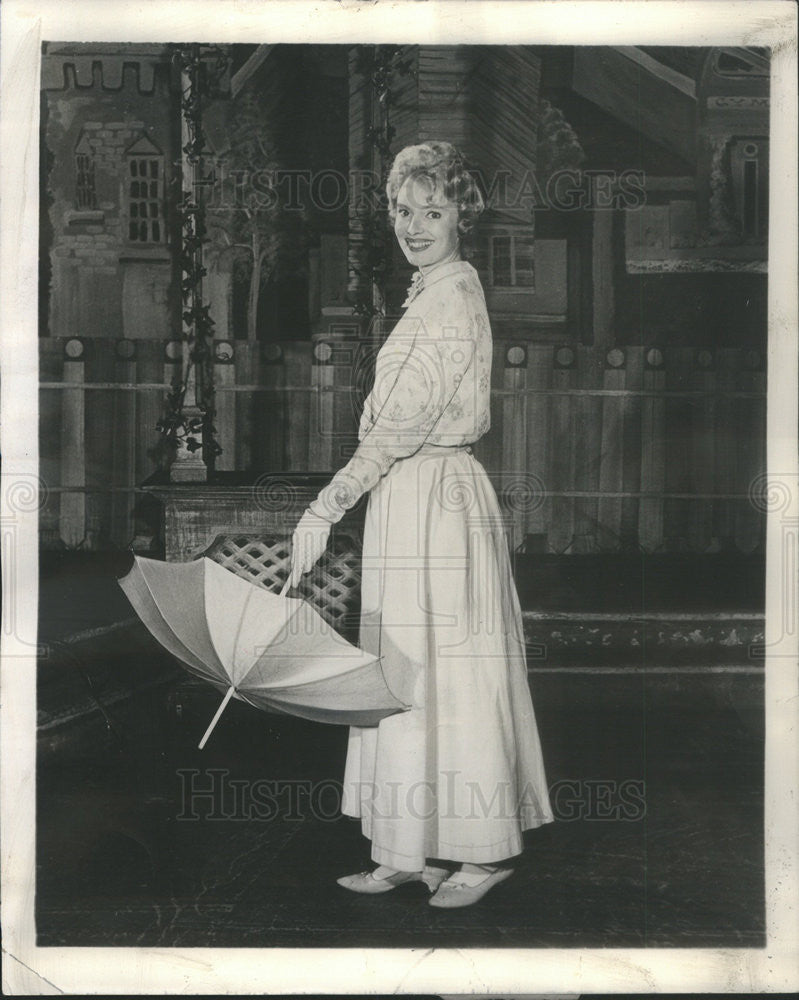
x=217, y=274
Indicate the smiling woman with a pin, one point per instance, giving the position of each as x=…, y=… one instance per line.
x=434, y=201
x=425, y=223
x=452, y=782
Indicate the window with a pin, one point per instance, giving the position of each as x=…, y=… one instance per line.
x=145, y=190
x=742, y=61
x=85, y=191
x=523, y=275
x=511, y=260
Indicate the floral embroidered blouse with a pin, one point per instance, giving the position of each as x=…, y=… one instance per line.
x=432, y=383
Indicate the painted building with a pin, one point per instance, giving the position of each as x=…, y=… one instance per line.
x=623, y=256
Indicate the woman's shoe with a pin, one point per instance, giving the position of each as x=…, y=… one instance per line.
x=384, y=879
x=461, y=890
x=433, y=877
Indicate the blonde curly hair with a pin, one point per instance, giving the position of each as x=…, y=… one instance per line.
x=444, y=166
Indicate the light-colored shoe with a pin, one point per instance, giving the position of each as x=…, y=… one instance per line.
x=384, y=879
x=457, y=891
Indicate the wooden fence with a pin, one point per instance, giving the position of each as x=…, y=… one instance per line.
x=592, y=450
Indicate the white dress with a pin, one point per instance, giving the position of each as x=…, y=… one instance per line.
x=460, y=775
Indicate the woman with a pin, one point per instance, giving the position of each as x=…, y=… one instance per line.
x=452, y=782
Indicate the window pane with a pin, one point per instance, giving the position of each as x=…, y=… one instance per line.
x=84, y=181
x=145, y=208
x=525, y=262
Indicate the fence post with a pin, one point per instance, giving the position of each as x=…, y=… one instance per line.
x=653, y=461
x=610, y=461
x=751, y=414
x=562, y=457
x=123, y=442
x=225, y=363
x=539, y=379
x=320, y=445
x=702, y=377
x=72, y=518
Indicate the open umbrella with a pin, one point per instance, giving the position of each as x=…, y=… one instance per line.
x=271, y=651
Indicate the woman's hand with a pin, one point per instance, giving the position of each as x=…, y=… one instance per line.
x=308, y=543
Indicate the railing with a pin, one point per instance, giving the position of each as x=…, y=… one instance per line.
x=591, y=450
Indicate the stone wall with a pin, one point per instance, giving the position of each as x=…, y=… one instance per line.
x=97, y=112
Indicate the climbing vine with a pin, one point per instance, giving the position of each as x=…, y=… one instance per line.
x=201, y=68
x=379, y=66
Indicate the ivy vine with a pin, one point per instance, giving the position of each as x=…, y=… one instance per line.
x=202, y=68
x=379, y=65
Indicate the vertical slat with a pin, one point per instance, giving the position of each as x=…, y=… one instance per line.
x=225, y=417
x=751, y=434
x=539, y=378
x=321, y=443
x=246, y=361
x=587, y=439
x=72, y=519
x=261, y=411
x=561, y=531
x=678, y=431
x=610, y=461
x=269, y=417
x=98, y=423
x=151, y=404
x=726, y=448
x=702, y=452
x=631, y=449
x=298, y=376
x=514, y=448
x=51, y=369
x=653, y=461
x=123, y=469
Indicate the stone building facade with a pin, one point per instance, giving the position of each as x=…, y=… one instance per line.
x=110, y=134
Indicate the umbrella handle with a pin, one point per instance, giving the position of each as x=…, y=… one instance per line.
x=286, y=586
x=215, y=719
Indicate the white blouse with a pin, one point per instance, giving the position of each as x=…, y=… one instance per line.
x=432, y=383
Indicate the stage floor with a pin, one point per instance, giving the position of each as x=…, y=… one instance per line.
x=654, y=758
x=657, y=786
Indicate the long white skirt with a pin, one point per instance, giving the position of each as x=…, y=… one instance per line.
x=460, y=775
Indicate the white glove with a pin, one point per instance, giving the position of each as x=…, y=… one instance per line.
x=308, y=544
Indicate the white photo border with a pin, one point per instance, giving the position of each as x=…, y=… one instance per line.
x=30, y=970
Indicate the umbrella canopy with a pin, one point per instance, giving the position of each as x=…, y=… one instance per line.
x=271, y=651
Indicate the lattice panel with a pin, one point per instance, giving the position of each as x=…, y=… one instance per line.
x=332, y=587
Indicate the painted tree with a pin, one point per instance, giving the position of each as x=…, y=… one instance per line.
x=253, y=221
x=558, y=147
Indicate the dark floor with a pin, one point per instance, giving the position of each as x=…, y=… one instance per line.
x=122, y=862
x=656, y=780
